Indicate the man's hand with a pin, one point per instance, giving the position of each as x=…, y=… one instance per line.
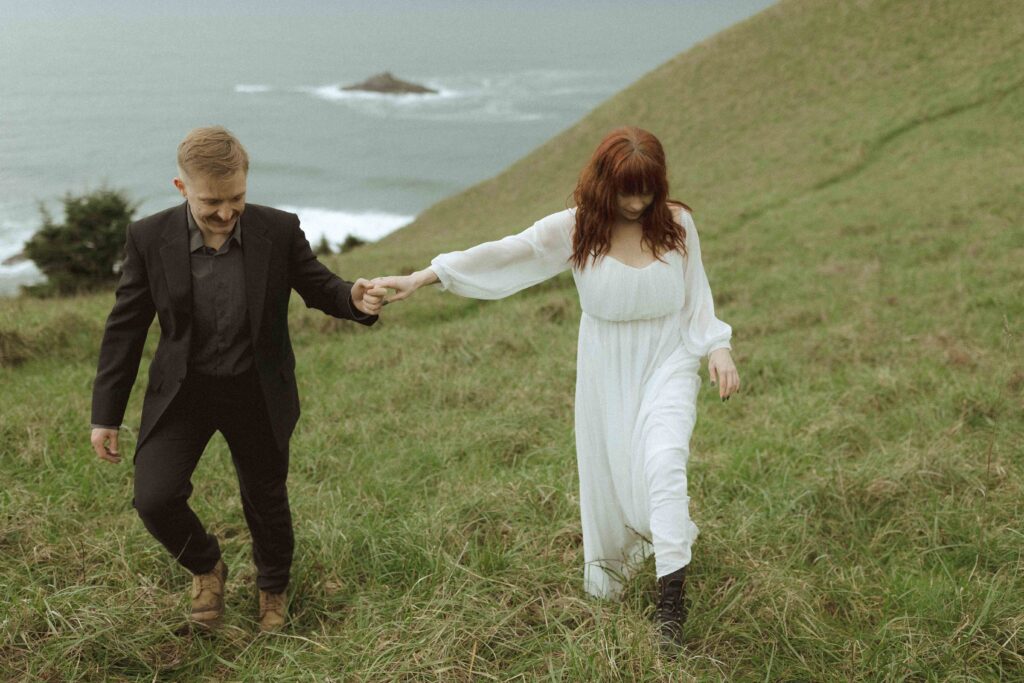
x=104, y=442
x=367, y=297
x=723, y=373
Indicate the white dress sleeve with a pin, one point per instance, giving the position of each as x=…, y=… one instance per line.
x=494, y=270
x=702, y=331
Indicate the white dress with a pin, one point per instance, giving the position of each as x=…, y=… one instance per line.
x=642, y=335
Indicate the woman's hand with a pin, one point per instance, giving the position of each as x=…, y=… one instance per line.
x=405, y=285
x=723, y=373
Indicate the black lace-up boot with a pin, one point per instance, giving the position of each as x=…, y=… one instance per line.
x=671, y=612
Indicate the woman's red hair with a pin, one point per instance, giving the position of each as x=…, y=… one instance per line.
x=628, y=161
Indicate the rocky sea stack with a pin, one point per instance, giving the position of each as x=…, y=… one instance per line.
x=387, y=83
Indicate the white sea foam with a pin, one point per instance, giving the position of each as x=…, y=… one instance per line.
x=244, y=88
x=13, y=276
x=335, y=93
x=12, y=241
x=522, y=96
x=478, y=102
x=337, y=225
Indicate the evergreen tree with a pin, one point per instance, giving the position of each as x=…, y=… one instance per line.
x=85, y=251
x=350, y=243
x=323, y=247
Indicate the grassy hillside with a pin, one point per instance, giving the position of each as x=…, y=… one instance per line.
x=856, y=172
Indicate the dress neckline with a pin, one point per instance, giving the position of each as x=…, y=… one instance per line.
x=622, y=263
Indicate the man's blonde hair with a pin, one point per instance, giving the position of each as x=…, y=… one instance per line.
x=212, y=151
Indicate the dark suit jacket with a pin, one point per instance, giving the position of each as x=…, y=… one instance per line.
x=156, y=279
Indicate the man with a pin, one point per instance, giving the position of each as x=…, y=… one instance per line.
x=218, y=275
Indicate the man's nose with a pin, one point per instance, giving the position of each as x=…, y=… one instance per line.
x=225, y=213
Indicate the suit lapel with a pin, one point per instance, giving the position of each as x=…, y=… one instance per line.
x=175, y=256
x=256, y=247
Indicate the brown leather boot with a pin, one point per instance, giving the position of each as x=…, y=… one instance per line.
x=208, y=595
x=273, y=611
x=671, y=612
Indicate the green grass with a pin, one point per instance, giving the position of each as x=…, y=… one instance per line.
x=856, y=171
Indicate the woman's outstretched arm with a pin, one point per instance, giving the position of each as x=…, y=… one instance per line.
x=494, y=270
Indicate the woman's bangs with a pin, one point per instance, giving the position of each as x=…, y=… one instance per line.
x=637, y=175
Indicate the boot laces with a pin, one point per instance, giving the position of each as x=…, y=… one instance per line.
x=208, y=581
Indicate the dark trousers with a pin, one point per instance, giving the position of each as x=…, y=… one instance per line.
x=165, y=462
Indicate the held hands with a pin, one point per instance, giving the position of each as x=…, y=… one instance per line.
x=723, y=373
x=404, y=285
x=367, y=297
x=104, y=442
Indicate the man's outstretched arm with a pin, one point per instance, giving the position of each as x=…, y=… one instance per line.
x=325, y=291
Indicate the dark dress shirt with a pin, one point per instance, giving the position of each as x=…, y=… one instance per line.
x=221, y=336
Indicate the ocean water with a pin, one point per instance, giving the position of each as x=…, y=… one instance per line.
x=100, y=93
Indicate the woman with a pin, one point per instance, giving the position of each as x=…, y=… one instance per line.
x=648, y=319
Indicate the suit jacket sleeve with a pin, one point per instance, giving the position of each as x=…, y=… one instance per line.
x=318, y=286
x=123, y=339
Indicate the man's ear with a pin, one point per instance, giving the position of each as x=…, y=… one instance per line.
x=180, y=184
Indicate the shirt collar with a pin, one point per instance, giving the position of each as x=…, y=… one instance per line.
x=195, y=235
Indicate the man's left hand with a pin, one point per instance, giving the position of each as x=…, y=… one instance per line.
x=368, y=298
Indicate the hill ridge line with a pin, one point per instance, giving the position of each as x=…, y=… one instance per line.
x=873, y=152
